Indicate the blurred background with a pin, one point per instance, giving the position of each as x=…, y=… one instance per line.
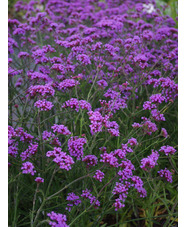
x=170, y=7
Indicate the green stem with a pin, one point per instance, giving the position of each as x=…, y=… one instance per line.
x=33, y=207
x=15, y=207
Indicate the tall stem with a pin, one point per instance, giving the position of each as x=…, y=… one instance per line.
x=33, y=208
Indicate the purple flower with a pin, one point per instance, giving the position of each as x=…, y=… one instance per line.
x=99, y=175
x=43, y=90
x=24, y=136
x=147, y=35
x=149, y=127
x=136, y=125
x=138, y=184
x=13, y=150
x=157, y=115
x=61, y=158
x=11, y=132
x=27, y=168
x=23, y=54
x=164, y=132
x=73, y=199
x=110, y=159
x=150, y=161
x=120, y=189
x=32, y=149
x=85, y=105
x=132, y=142
x=19, y=82
x=68, y=83
x=126, y=148
x=127, y=168
x=83, y=58
x=112, y=127
x=142, y=60
x=75, y=104
x=166, y=173
x=87, y=195
x=96, y=121
x=38, y=76
x=43, y=105
x=120, y=153
x=167, y=150
x=61, y=129
x=47, y=135
x=75, y=146
x=91, y=160
x=57, y=219
x=118, y=204
x=157, y=98
x=39, y=180
x=149, y=105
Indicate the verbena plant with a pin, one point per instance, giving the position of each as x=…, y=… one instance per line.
x=92, y=114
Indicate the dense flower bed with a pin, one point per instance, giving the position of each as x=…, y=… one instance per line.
x=92, y=112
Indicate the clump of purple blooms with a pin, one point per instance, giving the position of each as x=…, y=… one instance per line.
x=92, y=88
x=168, y=150
x=75, y=146
x=57, y=219
x=28, y=168
x=73, y=201
x=166, y=174
x=43, y=105
x=61, y=158
x=150, y=161
x=39, y=180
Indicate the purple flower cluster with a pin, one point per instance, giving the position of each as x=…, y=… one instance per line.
x=68, y=83
x=157, y=98
x=51, y=138
x=164, y=132
x=167, y=150
x=61, y=158
x=98, y=122
x=99, y=175
x=32, y=149
x=90, y=160
x=42, y=90
x=157, y=115
x=73, y=200
x=87, y=195
x=24, y=136
x=102, y=83
x=150, y=161
x=43, y=105
x=147, y=125
x=121, y=190
x=166, y=174
x=28, y=168
x=138, y=184
x=127, y=168
x=57, y=219
x=83, y=58
x=38, y=76
x=76, y=104
x=110, y=159
x=39, y=180
x=61, y=129
x=75, y=146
